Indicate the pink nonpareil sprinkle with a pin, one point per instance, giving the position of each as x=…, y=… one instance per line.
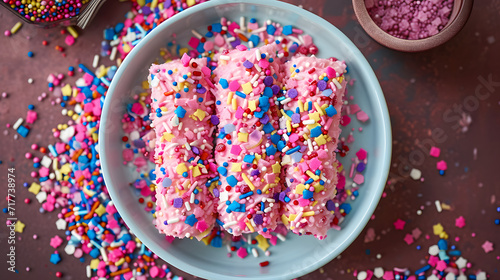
x=407, y=19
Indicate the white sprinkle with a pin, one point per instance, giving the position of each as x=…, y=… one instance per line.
x=103, y=254
x=309, y=145
x=18, y=123
x=225, y=57
x=438, y=206
x=258, y=30
x=191, y=199
x=257, y=67
x=172, y=221
x=281, y=237
x=228, y=224
x=242, y=23
x=255, y=253
x=88, y=271
x=254, y=78
x=188, y=206
x=195, y=33
x=310, y=121
x=286, y=100
x=112, y=56
x=95, y=63
x=337, y=84
x=258, y=54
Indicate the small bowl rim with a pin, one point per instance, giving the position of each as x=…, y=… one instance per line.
x=449, y=31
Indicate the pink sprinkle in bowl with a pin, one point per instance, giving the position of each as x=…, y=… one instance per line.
x=298, y=255
x=459, y=16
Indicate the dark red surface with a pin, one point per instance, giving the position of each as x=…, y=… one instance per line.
x=425, y=93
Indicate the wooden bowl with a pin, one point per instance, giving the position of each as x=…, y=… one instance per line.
x=459, y=16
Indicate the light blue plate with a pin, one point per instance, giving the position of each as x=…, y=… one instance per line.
x=298, y=255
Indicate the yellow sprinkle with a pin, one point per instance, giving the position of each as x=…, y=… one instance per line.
x=318, y=108
x=249, y=183
x=196, y=171
x=284, y=219
x=190, y=2
x=263, y=244
x=247, y=88
x=94, y=263
x=181, y=168
x=72, y=31
x=206, y=240
x=120, y=262
x=100, y=210
x=66, y=90
x=314, y=116
x=126, y=48
x=314, y=203
x=88, y=192
x=249, y=225
x=200, y=114
x=308, y=213
x=300, y=188
x=301, y=106
x=19, y=226
x=305, y=136
x=292, y=217
x=266, y=187
x=289, y=125
x=320, y=140
x=438, y=229
x=312, y=175
x=292, y=69
x=230, y=97
x=252, y=105
x=443, y=235
x=34, y=188
x=318, y=188
x=16, y=27
x=243, y=137
x=236, y=167
x=182, y=51
x=235, y=104
x=276, y=168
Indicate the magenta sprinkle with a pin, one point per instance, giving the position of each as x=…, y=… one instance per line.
x=409, y=19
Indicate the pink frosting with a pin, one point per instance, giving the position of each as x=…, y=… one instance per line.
x=184, y=145
x=243, y=136
x=305, y=169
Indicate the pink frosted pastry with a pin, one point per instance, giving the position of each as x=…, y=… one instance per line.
x=310, y=126
x=248, y=82
x=182, y=114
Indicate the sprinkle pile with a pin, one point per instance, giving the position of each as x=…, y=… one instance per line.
x=45, y=11
x=411, y=20
x=444, y=261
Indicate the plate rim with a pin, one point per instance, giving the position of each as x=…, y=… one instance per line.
x=380, y=105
